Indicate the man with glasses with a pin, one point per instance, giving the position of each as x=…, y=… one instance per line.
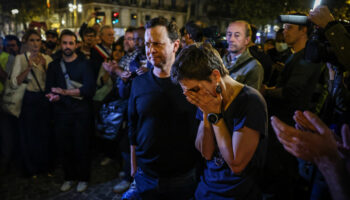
x=89, y=40
x=132, y=68
x=129, y=48
x=162, y=124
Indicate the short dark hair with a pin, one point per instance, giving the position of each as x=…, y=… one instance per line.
x=89, y=30
x=30, y=32
x=197, y=62
x=194, y=31
x=130, y=29
x=270, y=41
x=11, y=37
x=70, y=33
x=52, y=32
x=182, y=31
x=254, y=32
x=173, y=31
x=119, y=42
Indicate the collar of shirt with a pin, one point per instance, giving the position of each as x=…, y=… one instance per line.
x=234, y=60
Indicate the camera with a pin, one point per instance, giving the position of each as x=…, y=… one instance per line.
x=317, y=48
x=213, y=37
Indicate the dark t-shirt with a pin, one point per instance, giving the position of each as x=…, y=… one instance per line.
x=162, y=125
x=218, y=181
x=80, y=71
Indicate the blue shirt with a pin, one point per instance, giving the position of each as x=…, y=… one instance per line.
x=218, y=181
x=124, y=87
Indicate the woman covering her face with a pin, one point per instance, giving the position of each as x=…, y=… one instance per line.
x=30, y=68
x=232, y=134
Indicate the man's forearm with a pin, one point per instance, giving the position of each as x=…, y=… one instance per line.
x=72, y=92
x=337, y=178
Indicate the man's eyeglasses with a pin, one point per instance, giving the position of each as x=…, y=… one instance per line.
x=154, y=44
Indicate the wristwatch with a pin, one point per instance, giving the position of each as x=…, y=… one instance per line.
x=214, y=118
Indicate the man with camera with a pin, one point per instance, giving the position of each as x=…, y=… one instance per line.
x=335, y=33
x=313, y=141
x=293, y=91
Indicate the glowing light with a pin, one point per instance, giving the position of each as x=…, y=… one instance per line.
x=80, y=8
x=14, y=11
x=317, y=3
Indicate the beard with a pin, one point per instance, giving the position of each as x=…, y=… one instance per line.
x=68, y=52
x=50, y=45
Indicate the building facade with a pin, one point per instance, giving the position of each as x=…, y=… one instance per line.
x=122, y=14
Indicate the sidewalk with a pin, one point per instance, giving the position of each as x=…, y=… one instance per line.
x=103, y=178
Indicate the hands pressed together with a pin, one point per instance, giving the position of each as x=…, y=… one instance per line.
x=204, y=100
x=55, y=93
x=311, y=139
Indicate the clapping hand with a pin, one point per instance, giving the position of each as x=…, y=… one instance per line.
x=304, y=144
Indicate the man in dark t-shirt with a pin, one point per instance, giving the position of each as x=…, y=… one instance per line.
x=162, y=123
x=72, y=110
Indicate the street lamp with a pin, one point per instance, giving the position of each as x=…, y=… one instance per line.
x=14, y=13
x=74, y=8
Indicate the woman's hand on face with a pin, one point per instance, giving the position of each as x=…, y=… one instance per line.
x=204, y=100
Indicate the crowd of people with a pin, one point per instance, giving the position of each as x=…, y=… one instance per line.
x=187, y=119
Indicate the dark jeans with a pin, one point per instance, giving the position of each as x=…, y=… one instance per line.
x=181, y=187
x=73, y=137
x=124, y=147
x=35, y=133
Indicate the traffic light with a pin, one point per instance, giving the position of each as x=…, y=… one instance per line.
x=115, y=17
x=98, y=20
x=133, y=16
x=99, y=17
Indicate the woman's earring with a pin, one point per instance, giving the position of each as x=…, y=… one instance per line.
x=218, y=89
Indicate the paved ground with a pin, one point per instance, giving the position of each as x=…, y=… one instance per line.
x=103, y=178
